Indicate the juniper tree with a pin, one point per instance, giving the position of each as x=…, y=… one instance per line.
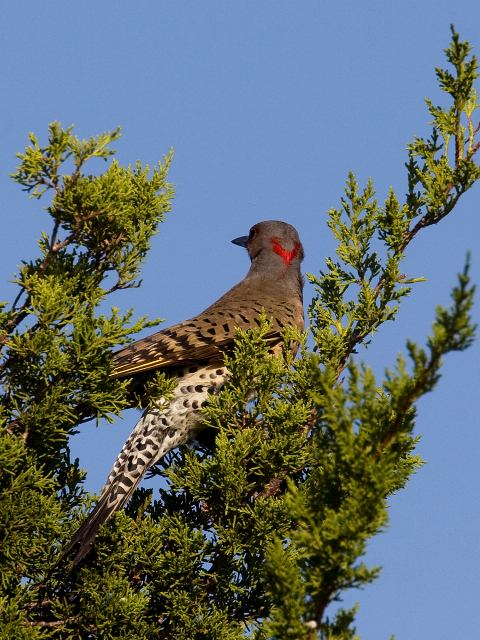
x=255, y=533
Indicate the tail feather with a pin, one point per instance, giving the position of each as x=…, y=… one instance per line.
x=113, y=497
x=85, y=535
x=149, y=441
x=110, y=502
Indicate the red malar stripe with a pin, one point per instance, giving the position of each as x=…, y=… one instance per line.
x=287, y=256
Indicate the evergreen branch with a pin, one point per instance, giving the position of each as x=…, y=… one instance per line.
x=259, y=533
x=340, y=323
x=359, y=334
x=48, y=624
x=22, y=312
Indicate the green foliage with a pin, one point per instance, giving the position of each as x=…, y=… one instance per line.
x=257, y=535
x=55, y=344
x=56, y=370
x=363, y=288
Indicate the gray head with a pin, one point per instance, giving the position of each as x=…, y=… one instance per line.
x=274, y=248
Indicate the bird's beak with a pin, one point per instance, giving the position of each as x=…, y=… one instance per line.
x=242, y=241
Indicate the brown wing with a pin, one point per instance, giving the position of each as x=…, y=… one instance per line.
x=204, y=337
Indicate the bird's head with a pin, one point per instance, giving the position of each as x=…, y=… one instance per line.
x=273, y=246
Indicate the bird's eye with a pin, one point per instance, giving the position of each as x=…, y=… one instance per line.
x=252, y=233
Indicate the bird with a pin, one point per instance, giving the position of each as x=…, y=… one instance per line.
x=192, y=352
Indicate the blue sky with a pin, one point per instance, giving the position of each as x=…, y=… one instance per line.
x=268, y=105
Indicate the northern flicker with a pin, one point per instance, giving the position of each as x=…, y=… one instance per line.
x=193, y=353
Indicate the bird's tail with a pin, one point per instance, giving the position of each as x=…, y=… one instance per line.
x=146, y=445
x=108, y=504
